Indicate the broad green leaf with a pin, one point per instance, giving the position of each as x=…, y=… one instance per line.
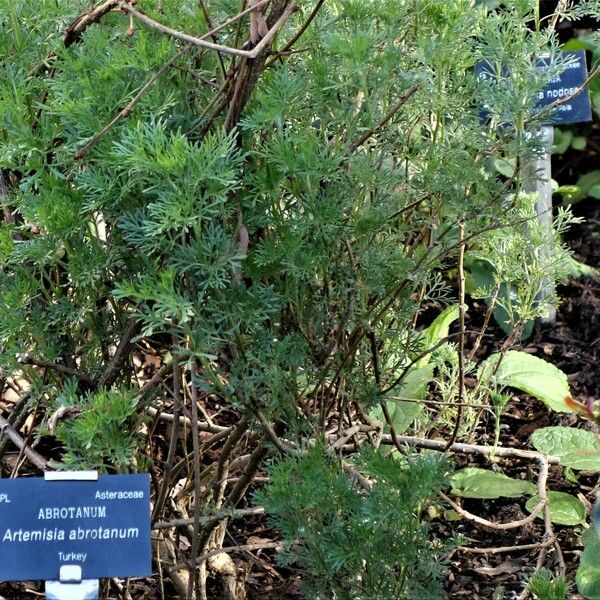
x=505, y=166
x=577, y=448
x=579, y=269
x=564, y=508
x=586, y=182
x=562, y=141
x=529, y=374
x=577, y=44
x=402, y=414
x=568, y=191
x=440, y=328
x=588, y=572
x=473, y=482
x=594, y=191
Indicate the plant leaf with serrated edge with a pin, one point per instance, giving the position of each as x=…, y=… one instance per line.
x=473, y=482
x=577, y=448
x=564, y=508
x=531, y=375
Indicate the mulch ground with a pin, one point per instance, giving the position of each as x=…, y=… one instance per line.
x=573, y=345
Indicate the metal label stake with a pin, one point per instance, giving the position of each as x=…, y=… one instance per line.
x=569, y=97
x=539, y=172
x=71, y=585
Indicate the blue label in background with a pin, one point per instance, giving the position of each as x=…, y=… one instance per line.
x=102, y=526
x=577, y=109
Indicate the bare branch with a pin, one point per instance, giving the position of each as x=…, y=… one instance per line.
x=37, y=459
x=232, y=514
x=243, y=547
x=130, y=106
x=201, y=41
x=472, y=449
x=388, y=117
x=25, y=359
x=78, y=26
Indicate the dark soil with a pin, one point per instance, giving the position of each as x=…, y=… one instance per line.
x=573, y=345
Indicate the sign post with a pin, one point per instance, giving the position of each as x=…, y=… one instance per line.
x=73, y=528
x=71, y=585
x=569, y=100
x=539, y=174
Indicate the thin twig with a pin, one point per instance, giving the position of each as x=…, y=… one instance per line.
x=239, y=513
x=230, y=549
x=437, y=402
x=461, y=335
x=351, y=470
x=212, y=35
x=79, y=154
x=298, y=34
x=197, y=482
x=185, y=421
x=347, y=435
x=155, y=380
x=486, y=322
x=25, y=359
x=201, y=41
x=377, y=374
x=382, y=403
x=485, y=522
x=16, y=419
x=560, y=8
x=120, y=356
x=131, y=105
x=255, y=459
x=254, y=462
x=473, y=449
x=37, y=459
x=415, y=360
x=164, y=488
x=222, y=472
x=278, y=443
x=502, y=549
x=542, y=504
x=78, y=26
x=390, y=114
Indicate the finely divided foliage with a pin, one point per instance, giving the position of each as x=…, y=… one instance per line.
x=268, y=225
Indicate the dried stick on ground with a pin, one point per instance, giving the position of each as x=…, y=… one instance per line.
x=239, y=513
x=243, y=547
x=185, y=421
x=472, y=449
x=503, y=549
x=543, y=460
x=541, y=505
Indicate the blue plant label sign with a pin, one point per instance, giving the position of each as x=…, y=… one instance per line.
x=565, y=89
x=102, y=526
